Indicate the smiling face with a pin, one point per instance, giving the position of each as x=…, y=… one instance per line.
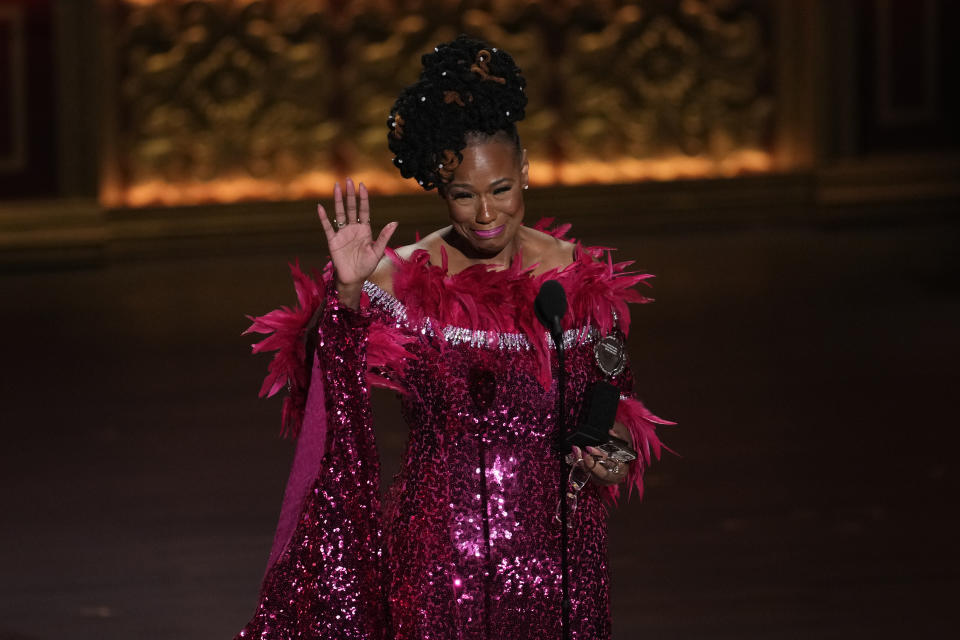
x=485, y=195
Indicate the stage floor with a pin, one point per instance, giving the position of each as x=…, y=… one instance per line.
x=812, y=373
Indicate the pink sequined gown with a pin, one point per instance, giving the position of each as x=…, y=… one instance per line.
x=466, y=546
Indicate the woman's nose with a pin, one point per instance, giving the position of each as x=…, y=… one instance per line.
x=485, y=214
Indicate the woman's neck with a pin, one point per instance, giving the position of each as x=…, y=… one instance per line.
x=464, y=255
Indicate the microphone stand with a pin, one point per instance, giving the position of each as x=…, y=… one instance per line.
x=565, y=604
x=550, y=307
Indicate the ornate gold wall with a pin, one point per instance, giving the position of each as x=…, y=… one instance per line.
x=222, y=100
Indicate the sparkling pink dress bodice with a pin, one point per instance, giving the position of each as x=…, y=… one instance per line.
x=472, y=541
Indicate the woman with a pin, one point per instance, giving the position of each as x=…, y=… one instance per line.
x=468, y=544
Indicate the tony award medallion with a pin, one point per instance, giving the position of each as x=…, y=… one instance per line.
x=611, y=355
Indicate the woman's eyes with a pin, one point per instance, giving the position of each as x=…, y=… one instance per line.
x=460, y=195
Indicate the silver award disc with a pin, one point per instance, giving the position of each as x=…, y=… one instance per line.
x=611, y=355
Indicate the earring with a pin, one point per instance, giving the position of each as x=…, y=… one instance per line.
x=526, y=186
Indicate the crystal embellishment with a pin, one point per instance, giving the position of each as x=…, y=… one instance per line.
x=477, y=338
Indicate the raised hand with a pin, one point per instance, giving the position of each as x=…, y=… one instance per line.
x=353, y=250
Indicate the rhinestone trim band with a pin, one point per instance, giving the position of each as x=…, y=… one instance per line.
x=472, y=337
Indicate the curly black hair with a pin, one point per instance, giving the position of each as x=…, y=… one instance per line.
x=466, y=88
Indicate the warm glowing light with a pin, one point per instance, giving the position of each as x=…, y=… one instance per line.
x=642, y=169
x=242, y=188
x=320, y=184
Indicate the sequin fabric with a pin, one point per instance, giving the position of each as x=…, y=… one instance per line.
x=473, y=549
x=327, y=584
x=467, y=546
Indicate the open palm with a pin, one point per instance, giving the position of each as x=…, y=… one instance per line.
x=354, y=252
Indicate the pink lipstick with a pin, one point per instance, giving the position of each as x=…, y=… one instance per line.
x=490, y=233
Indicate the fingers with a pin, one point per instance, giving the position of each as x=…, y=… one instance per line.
x=338, y=210
x=351, y=202
x=578, y=454
x=364, y=217
x=591, y=464
x=325, y=221
x=380, y=246
x=597, y=453
x=605, y=468
x=588, y=462
x=345, y=208
x=346, y=212
x=602, y=460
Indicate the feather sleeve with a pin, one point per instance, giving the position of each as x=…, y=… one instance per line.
x=291, y=333
x=287, y=331
x=642, y=425
x=325, y=568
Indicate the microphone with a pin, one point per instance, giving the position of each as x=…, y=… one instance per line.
x=600, y=403
x=550, y=307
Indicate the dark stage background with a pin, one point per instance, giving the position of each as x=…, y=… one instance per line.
x=788, y=170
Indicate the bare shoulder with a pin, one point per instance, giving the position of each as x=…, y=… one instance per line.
x=546, y=250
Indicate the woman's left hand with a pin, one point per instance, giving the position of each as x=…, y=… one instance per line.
x=603, y=469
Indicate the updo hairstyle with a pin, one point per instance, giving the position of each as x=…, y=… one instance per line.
x=466, y=88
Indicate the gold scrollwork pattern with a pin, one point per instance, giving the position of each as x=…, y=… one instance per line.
x=220, y=100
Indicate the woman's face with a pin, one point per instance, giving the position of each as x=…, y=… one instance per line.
x=485, y=195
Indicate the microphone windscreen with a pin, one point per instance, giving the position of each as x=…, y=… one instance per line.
x=550, y=303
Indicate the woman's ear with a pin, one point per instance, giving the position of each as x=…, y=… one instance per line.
x=524, y=169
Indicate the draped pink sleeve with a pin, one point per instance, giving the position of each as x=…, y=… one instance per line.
x=323, y=578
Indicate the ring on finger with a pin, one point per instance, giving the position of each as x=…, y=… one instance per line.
x=340, y=225
x=612, y=468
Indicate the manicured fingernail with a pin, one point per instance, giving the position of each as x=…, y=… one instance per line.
x=593, y=451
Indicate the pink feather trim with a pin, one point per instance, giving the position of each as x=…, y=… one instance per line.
x=386, y=353
x=483, y=297
x=642, y=426
x=560, y=233
x=479, y=297
x=286, y=329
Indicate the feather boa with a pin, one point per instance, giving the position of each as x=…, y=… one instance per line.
x=598, y=292
x=483, y=297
